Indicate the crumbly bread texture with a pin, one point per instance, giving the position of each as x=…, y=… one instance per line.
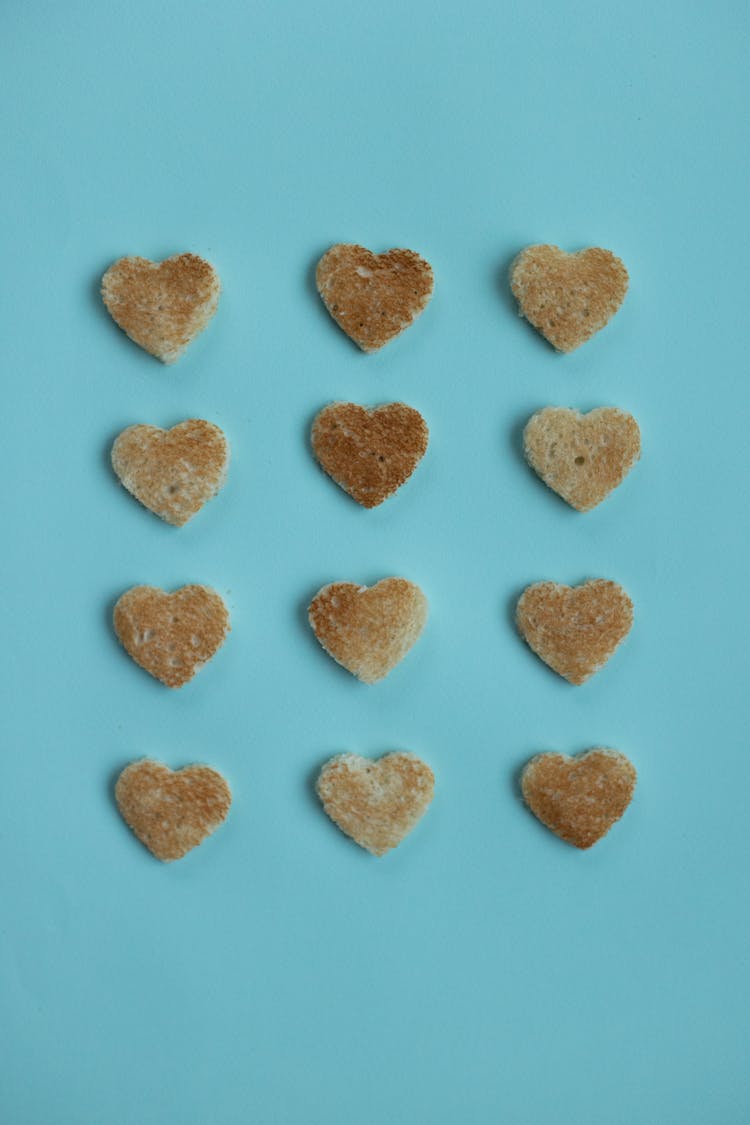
x=373, y=297
x=376, y=803
x=368, y=630
x=582, y=457
x=369, y=452
x=171, y=812
x=568, y=297
x=162, y=306
x=171, y=635
x=574, y=629
x=172, y=472
x=579, y=798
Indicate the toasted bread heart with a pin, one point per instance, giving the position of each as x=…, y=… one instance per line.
x=582, y=457
x=369, y=452
x=171, y=812
x=579, y=798
x=172, y=472
x=368, y=630
x=568, y=297
x=162, y=306
x=376, y=803
x=171, y=635
x=373, y=297
x=574, y=629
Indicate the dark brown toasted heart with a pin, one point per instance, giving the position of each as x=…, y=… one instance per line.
x=582, y=457
x=169, y=811
x=574, y=629
x=376, y=803
x=368, y=630
x=172, y=635
x=369, y=452
x=373, y=297
x=579, y=798
x=172, y=472
x=162, y=306
x=568, y=297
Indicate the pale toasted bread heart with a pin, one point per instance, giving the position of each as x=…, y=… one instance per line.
x=373, y=297
x=171, y=812
x=171, y=635
x=568, y=297
x=582, y=457
x=579, y=798
x=369, y=452
x=172, y=472
x=376, y=803
x=368, y=630
x=162, y=306
x=574, y=629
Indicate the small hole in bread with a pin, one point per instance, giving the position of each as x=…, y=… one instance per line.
x=580, y=460
x=173, y=488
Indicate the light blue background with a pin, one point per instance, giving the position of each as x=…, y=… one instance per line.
x=484, y=972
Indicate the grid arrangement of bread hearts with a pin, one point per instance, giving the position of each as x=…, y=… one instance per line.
x=370, y=453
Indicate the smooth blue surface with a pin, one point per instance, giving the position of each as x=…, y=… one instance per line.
x=484, y=972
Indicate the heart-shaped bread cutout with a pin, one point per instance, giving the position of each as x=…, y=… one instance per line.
x=582, y=457
x=376, y=803
x=369, y=452
x=171, y=635
x=574, y=629
x=162, y=306
x=172, y=472
x=579, y=798
x=568, y=297
x=373, y=297
x=171, y=811
x=368, y=630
